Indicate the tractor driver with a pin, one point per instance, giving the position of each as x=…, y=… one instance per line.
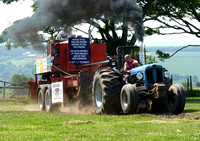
x=129, y=63
x=65, y=33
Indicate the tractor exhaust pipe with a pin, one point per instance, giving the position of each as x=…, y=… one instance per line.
x=142, y=54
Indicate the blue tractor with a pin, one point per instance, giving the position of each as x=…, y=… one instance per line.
x=147, y=88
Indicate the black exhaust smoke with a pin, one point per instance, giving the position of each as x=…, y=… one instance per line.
x=57, y=12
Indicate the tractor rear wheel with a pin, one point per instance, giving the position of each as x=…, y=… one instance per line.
x=41, y=100
x=48, y=102
x=106, y=91
x=129, y=99
x=176, y=99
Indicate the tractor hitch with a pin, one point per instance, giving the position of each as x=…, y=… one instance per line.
x=159, y=91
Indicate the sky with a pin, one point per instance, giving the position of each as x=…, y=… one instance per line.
x=22, y=9
x=12, y=12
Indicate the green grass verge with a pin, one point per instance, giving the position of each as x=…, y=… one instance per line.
x=192, y=105
x=20, y=120
x=193, y=93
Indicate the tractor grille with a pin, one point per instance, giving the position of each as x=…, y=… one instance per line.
x=159, y=75
x=150, y=78
x=154, y=75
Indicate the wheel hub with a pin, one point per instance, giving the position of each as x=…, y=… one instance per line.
x=98, y=95
x=40, y=100
x=47, y=101
x=125, y=99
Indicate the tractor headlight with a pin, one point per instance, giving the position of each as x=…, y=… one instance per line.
x=167, y=74
x=139, y=76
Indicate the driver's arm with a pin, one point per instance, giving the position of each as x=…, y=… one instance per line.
x=72, y=36
x=125, y=68
x=59, y=35
x=135, y=62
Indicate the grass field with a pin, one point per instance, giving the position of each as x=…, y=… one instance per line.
x=20, y=120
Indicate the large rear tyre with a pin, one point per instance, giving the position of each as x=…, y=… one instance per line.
x=48, y=102
x=41, y=102
x=176, y=99
x=129, y=99
x=106, y=92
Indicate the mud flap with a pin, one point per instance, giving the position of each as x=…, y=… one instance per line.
x=86, y=79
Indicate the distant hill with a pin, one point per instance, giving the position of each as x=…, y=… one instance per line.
x=16, y=61
x=172, y=48
x=183, y=64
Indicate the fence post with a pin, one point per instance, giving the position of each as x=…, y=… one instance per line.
x=190, y=83
x=29, y=91
x=4, y=89
x=171, y=79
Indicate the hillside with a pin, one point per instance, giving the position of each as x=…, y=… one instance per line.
x=16, y=61
x=183, y=64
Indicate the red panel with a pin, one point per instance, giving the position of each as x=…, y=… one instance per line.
x=33, y=88
x=98, y=54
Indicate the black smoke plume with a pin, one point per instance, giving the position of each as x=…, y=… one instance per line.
x=57, y=12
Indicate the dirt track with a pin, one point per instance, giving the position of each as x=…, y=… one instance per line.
x=89, y=110
x=190, y=116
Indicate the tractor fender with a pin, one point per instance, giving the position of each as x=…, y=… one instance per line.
x=117, y=71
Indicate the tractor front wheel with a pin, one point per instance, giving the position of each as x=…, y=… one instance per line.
x=129, y=99
x=176, y=99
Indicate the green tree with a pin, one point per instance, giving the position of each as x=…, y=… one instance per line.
x=174, y=14
x=20, y=78
x=198, y=84
x=184, y=84
x=9, y=1
x=169, y=13
x=110, y=36
x=150, y=59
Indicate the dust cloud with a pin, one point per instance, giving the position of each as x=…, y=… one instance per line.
x=74, y=109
